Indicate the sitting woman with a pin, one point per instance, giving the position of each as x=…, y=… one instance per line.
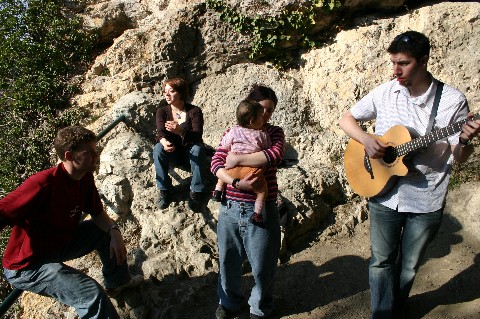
x=179, y=135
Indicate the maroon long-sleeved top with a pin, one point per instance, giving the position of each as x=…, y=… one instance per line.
x=193, y=126
x=44, y=212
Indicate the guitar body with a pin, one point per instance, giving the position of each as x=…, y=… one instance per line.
x=383, y=170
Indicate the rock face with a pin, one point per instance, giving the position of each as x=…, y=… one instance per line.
x=158, y=39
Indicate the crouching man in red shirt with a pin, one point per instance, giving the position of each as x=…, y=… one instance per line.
x=45, y=215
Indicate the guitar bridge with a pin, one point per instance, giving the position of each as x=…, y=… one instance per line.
x=368, y=165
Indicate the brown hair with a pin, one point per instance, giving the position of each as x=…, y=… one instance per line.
x=412, y=42
x=71, y=138
x=247, y=111
x=260, y=92
x=180, y=85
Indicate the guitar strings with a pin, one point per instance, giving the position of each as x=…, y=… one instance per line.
x=433, y=136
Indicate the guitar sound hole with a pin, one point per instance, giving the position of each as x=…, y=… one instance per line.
x=390, y=155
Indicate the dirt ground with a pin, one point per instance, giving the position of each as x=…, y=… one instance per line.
x=329, y=279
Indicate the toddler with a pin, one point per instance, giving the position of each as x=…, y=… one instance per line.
x=248, y=136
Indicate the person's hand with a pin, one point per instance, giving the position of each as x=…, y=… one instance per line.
x=470, y=129
x=231, y=161
x=168, y=146
x=173, y=127
x=117, y=247
x=250, y=183
x=374, y=147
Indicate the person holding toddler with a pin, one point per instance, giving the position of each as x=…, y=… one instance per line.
x=239, y=237
x=247, y=137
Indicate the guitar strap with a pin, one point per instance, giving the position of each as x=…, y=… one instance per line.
x=436, y=101
x=431, y=121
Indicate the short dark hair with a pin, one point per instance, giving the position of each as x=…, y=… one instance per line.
x=180, y=85
x=412, y=42
x=247, y=111
x=260, y=92
x=71, y=138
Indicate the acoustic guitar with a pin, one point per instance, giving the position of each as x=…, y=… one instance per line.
x=371, y=177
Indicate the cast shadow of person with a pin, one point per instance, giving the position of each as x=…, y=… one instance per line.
x=463, y=287
x=302, y=287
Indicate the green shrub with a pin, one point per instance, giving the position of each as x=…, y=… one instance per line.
x=42, y=48
x=272, y=36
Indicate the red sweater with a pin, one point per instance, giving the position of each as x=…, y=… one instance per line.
x=44, y=212
x=274, y=156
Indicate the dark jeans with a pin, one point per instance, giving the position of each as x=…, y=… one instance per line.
x=398, y=244
x=238, y=239
x=70, y=286
x=195, y=156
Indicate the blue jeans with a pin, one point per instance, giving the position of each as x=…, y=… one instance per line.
x=197, y=158
x=238, y=239
x=70, y=286
x=398, y=244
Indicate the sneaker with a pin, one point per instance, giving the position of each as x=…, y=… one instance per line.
x=217, y=195
x=163, y=200
x=195, y=201
x=252, y=316
x=134, y=281
x=224, y=313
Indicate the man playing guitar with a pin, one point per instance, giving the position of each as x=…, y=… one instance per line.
x=404, y=219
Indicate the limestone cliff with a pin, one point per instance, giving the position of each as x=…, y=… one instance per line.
x=151, y=40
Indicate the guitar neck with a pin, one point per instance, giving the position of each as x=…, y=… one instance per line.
x=433, y=136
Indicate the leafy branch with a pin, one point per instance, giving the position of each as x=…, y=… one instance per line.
x=272, y=36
